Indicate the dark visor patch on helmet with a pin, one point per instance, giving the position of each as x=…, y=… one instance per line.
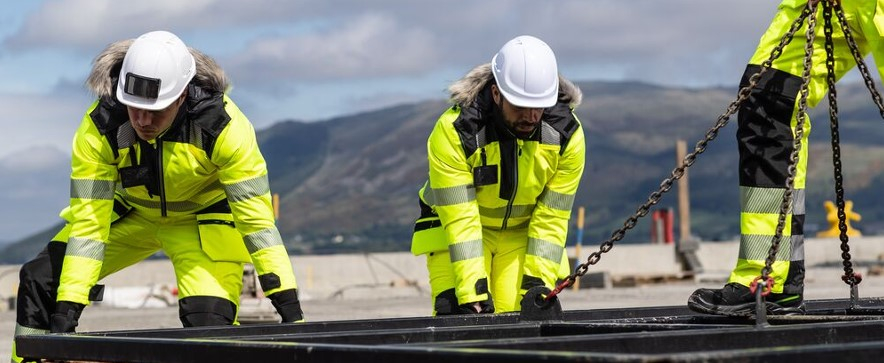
x=142, y=86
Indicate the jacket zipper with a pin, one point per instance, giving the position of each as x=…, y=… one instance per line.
x=509, y=205
x=162, y=183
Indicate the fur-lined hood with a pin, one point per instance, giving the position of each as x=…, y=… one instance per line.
x=106, y=69
x=467, y=89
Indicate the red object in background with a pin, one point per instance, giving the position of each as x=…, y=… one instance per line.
x=661, y=226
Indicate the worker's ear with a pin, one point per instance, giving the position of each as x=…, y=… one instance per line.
x=495, y=94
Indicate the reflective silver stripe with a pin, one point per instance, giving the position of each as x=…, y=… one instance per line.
x=549, y=135
x=798, y=196
x=23, y=330
x=125, y=136
x=262, y=239
x=522, y=210
x=768, y=200
x=480, y=138
x=556, y=200
x=171, y=206
x=465, y=250
x=85, y=247
x=797, y=248
x=451, y=195
x=757, y=247
x=195, y=137
x=545, y=249
x=247, y=189
x=92, y=189
x=185, y=206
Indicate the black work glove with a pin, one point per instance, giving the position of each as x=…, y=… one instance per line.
x=485, y=307
x=65, y=317
x=287, y=305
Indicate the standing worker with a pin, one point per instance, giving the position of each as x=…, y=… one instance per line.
x=767, y=121
x=163, y=160
x=505, y=162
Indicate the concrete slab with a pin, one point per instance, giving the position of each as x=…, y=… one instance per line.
x=388, y=285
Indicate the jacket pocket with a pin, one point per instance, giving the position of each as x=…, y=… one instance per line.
x=219, y=238
x=429, y=236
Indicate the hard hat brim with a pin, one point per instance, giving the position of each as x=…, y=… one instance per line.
x=521, y=101
x=145, y=103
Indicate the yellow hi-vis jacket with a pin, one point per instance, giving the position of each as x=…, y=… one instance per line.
x=482, y=176
x=208, y=154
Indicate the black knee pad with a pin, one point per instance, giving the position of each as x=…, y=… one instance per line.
x=206, y=311
x=446, y=303
x=38, y=286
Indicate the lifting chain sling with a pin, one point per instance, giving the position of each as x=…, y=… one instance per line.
x=689, y=160
x=850, y=277
x=766, y=282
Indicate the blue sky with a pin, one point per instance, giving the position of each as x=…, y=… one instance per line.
x=314, y=60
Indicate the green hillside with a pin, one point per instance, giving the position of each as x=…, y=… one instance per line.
x=350, y=183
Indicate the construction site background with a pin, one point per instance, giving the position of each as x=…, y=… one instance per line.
x=390, y=285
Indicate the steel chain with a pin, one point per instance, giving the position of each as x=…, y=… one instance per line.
x=786, y=204
x=858, y=57
x=850, y=277
x=689, y=160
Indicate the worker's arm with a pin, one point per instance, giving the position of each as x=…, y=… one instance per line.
x=243, y=172
x=93, y=179
x=548, y=229
x=453, y=196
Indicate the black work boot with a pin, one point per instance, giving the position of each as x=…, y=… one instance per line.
x=736, y=300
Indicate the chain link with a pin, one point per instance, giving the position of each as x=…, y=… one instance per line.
x=786, y=204
x=858, y=57
x=689, y=160
x=850, y=277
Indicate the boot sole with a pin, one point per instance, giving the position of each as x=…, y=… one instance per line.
x=741, y=310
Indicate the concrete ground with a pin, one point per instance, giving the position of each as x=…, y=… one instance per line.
x=822, y=283
x=376, y=286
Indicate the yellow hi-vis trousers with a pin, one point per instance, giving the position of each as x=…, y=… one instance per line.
x=767, y=127
x=504, y=260
x=202, y=270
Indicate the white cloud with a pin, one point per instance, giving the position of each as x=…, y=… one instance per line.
x=35, y=186
x=370, y=46
x=41, y=120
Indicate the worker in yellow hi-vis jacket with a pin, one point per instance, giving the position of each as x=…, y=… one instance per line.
x=164, y=161
x=505, y=162
x=765, y=137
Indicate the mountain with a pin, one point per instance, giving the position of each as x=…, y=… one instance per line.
x=350, y=183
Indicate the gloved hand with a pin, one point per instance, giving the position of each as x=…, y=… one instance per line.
x=66, y=317
x=287, y=305
x=478, y=307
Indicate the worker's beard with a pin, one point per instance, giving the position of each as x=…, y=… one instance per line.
x=527, y=128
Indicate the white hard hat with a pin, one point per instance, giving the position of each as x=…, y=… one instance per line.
x=526, y=72
x=155, y=71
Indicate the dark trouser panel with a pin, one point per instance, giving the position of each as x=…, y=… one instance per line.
x=206, y=311
x=766, y=142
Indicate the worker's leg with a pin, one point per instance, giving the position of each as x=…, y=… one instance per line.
x=765, y=135
x=38, y=284
x=507, y=268
x=39, y=277
x=442, y=282
x=209, y=277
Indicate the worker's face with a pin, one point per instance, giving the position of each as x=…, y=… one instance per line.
x=150, y=124
x=522, y=120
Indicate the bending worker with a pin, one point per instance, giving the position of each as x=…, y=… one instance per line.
x=504, y=164
x=766, y=125
x=163, y=160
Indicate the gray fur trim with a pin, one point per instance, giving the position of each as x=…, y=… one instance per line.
x=465, y=90
x=209, y=74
